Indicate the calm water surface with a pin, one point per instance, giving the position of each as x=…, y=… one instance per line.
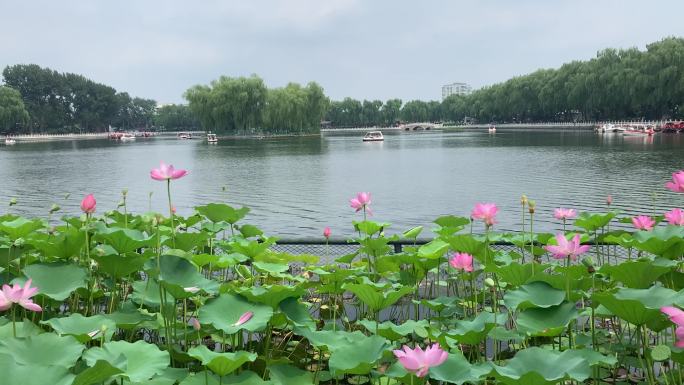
x=296, y=186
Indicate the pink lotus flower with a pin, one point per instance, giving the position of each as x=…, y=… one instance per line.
x=362, y=201
x=567, y=249
x=485, y=212
x=643, y=222
x=19, y=295
x=677, y=184
x=244, y=318
x=609, y=200
x=167, y=172
x=88, y=204
x=327, y=232
x=462, y=261
x=563, y=214
x=418, y=361
x=194, y=322
x=677, y=317
x=675, y=217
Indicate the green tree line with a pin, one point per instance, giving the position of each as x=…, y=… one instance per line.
x=616, y=84
x=246, y=105
x=44, y=100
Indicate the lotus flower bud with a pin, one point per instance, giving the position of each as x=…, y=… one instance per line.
x=533, y=206
x=523, y=200
x=589, y=263
x=609, y=200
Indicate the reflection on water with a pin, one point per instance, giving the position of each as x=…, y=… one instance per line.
x=297, y=186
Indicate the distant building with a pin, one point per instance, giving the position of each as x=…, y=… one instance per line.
x=455, y=89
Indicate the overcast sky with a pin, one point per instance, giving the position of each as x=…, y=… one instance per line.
x=372, y=49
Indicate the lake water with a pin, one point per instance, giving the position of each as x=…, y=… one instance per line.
x=297, y=186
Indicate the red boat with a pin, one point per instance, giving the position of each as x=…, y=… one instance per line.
x=673, y=127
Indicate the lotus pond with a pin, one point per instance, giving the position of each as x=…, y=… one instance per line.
x=125, y=298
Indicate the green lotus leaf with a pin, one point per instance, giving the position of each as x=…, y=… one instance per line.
x=23, y=329
x=147, y=293
x=533, y=294
x=451, y=221
x=593, y=222
x=637, y=274
x=66, y=244
x=550, y=321
x=221, y=363
x=457, y=370
x=219, y=212
x=143, y=360
x=34, y=374
x=639, y=306
x=79, y=326
x=119, y=265
x=129, y=315
x=473, y=332
x=271, y=295
x=250, y=231
x=188, y=241
x=121, y=239
x=271, y=268
x=252, y=248
x=370, y=227
x=434, y=249
x=440, y=303
x=576, y=275
x=20, y=227
x=208, y=378
x=98, y=373
x=394, y=332
x=516, y=274
x=202, y=260
x=284, y=258
x=297, y=313
x=224, y=311
x=413, y=233
x=537, y=366
x=289, y=375
x=667, y=242
x=359, y=357
x=377, y=298
x=467, y=244
x=177, y=274
x=57, y=280
x=43, y=349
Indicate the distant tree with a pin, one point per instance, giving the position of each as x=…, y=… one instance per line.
x=229, y=104
x=175, y=117
x=12, y=110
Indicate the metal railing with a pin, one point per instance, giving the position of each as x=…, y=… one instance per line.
x=336, y=248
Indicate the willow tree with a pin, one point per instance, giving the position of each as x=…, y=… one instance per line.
x=12, y=110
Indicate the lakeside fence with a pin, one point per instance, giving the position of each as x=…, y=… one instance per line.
x=336, y=248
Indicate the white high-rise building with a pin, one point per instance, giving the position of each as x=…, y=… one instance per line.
x=455, y=89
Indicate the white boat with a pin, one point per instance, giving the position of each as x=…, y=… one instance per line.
x=492, y=129
x=373, y=136
x=127, y=137
x=211, y=138
x=610, y=128
x=638, y=130
x=184, y=135
x=9, y=141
